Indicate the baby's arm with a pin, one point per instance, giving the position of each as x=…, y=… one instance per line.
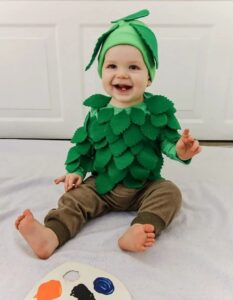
x=187, y=146
x=70, y=180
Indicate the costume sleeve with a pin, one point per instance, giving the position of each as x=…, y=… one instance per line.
x=79, y=158
x=169, y=149
x=163, y=116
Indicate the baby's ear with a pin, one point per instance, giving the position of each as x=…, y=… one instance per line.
x=149, y=82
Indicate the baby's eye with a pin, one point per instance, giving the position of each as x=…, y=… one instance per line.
x=111, y=66
x=134, y=67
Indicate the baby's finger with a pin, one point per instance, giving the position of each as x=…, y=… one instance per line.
x=78, y=182
x=185, y=133
x=195, y=146
x=198, y=150
x=60, y=179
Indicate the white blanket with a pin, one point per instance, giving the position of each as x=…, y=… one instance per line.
x=192, y=259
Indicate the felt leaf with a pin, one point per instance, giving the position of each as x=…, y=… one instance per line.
x=73, y=155
x=173, y=122
x=120, y=122
x=83, y=148
x=158, y=104
x=72, y=167
x=99, y=43
x=138, y=172
x=132, y=183
x=87, y=120
x=97, y=131
x=159, y=120
x=115, y=174
x=105, y=115
x=79, y=136
x=137, y=148
x=140, y=14
x=124, y=160
x=137, y=116
x=155, y=174
x=97, y=101
x=110, y=136
x=132, y=135
x=147, y=158
x=171, y=135
x=101, y=144
x=149, y=38
x=104, y=183
x=118, y=147
x=149, y=130
x=87, y=163
x=102, y=158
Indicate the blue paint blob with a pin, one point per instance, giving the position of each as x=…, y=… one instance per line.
x=103, y=285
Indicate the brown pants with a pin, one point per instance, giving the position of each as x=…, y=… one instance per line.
x=156, y=203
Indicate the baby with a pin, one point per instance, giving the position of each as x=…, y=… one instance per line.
x=121, y=144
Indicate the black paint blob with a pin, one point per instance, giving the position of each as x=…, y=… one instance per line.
x=103, y=285
x=81, y=292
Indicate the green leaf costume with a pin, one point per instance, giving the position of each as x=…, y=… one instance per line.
x=124, y=145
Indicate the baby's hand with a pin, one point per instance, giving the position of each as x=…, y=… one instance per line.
x=71, y=181
x=187, y=146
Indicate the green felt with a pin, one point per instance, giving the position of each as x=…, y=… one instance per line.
x=105, y=115
x=120, y=122
x=159, y=120
x=139, y=14
x=118, y=147
x=72, y=167
x=79, y=136
x=149, y=130
x=97, y=131
x=173, y=122
x=86, y=163
x=101, y=144
x=87, y=121
x=137, y=116
x=115, y=174
x=104, y=183
x=123, y=145
x=99, y=43
x=138, y=172
x=73, y=155
x=132, y=183
x=97, y=101
x=137, y=148
x=147, y=158
x=155, y=174
x=110, y=136
x=102, y=158
x=149, y=39
x=171, y=135
x=83, y=148
x=132, y=135
x=158, y=104
x=124, y=160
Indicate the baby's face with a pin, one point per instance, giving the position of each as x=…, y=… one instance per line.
x=124, y=75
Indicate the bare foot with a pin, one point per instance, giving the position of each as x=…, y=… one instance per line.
x=139, y=237
x=41, y=239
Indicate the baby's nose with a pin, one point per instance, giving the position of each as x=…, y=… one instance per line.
x=122, y=73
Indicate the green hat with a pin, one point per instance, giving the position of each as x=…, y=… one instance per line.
x=128, y=31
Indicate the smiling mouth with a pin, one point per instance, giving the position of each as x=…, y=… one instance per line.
x=122, y=87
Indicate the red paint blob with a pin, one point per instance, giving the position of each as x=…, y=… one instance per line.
x=49, y=290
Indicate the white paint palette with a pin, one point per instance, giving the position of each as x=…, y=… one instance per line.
x=74, y=280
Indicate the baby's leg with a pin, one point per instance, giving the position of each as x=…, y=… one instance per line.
x=139, y=237
x=41, y=239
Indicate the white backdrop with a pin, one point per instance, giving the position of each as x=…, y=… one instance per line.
x=45, y=46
